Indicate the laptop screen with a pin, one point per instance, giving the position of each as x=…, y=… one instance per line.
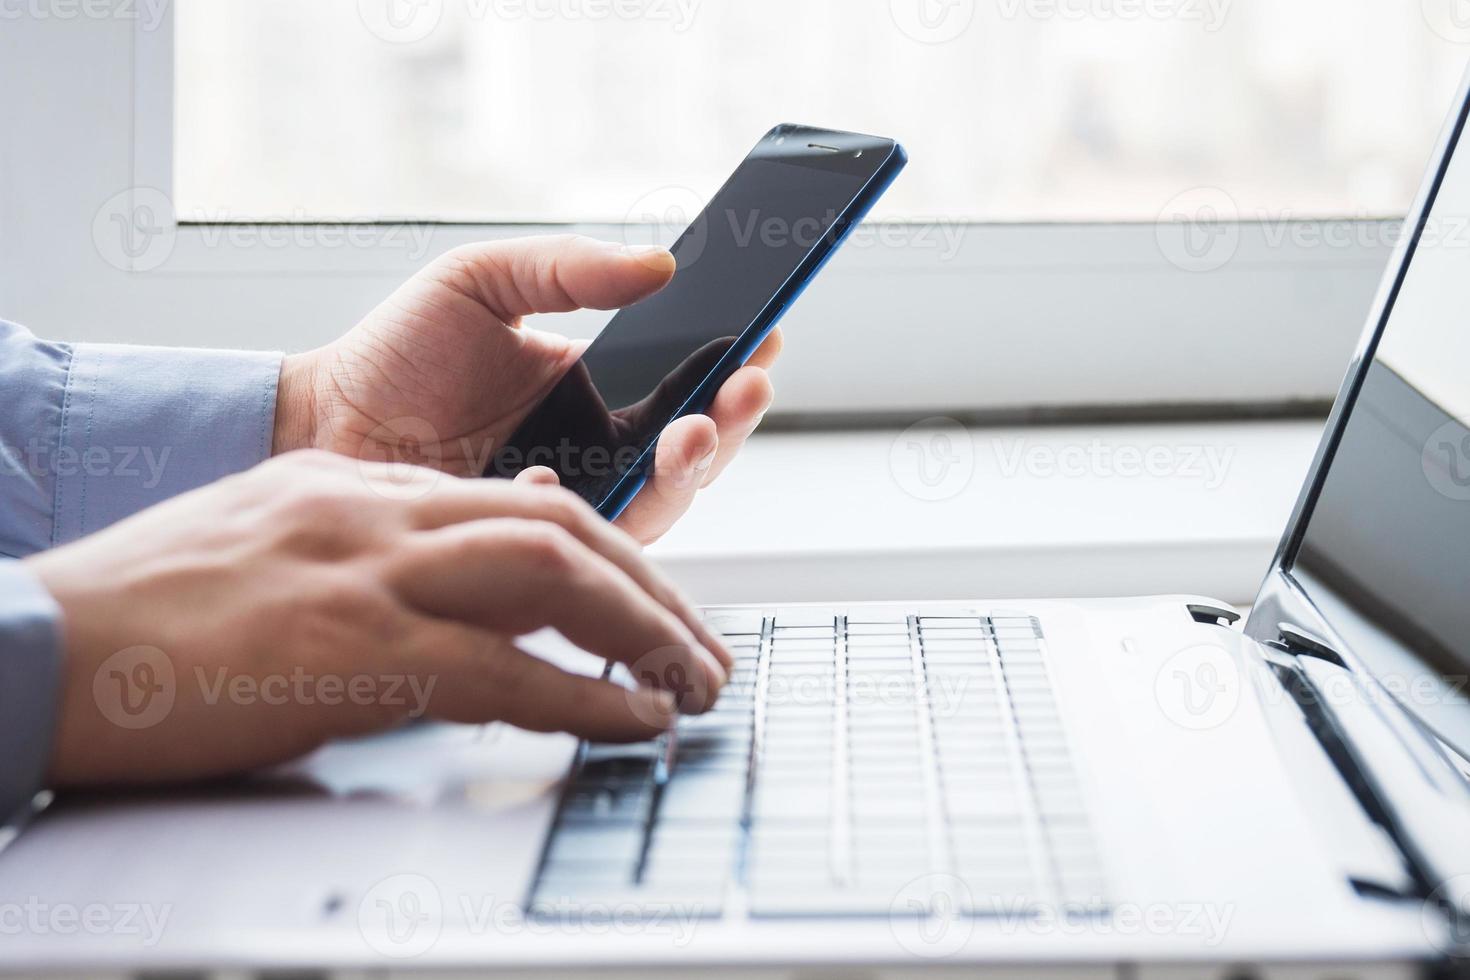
x=1386, y=549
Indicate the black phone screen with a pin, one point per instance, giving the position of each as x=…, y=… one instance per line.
x=773, y=213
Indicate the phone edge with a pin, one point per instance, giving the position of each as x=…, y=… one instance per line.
x=623, y=492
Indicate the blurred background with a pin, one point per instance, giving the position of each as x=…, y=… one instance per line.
x=1013, y=110
x=1130, y=230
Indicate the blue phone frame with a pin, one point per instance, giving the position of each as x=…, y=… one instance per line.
x=623, y=492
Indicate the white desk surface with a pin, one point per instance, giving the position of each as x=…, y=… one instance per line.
x=1048, y=511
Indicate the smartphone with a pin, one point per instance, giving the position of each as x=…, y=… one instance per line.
x=741, y=264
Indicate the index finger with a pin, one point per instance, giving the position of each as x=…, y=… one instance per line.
x=456, y=501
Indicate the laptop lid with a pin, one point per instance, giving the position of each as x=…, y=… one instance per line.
x=1376, y=558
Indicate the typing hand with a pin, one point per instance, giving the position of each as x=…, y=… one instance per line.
x=446, y=363
x=314, y=596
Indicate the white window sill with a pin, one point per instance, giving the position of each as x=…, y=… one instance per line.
x=825, y=516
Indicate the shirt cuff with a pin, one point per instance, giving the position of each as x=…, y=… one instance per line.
x=30, y=686
x=142, y=424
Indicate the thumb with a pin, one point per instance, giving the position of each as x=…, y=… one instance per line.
x=559, y=273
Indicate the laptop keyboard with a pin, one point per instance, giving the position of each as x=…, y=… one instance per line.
x=859, y=764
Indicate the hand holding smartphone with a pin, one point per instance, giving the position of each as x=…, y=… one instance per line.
x=741, y=264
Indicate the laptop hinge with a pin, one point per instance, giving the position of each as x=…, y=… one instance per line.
x=1213, y=615
x=1304, y=643
x=1393, y=783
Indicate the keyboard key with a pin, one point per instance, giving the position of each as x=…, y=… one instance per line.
x=794, y=638
x=568, y=880
x=899, y=667
x=789, y=634
x=778, y=897
x=683, y=899
x=685, y=867
x=788, y=720
x=961, y=806
x=905, y=852
x=607, y=804
x=950, y=622
x=894, y=641
x=878, y=807
x=702, y=796
x=967, y=638
x=792, y=802
x=806, y=617
x=899, y=628
x=815, y=766
x=978, y=694
x=884, y=720
x=686, y=838
x=877, y=615
x=734, y=622
x=801, y=837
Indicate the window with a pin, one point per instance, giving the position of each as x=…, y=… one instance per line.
x=1061, y=242
x=600, y=110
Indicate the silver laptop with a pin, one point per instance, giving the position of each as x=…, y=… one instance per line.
x=1066, y=786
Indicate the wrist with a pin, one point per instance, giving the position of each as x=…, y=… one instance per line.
x=295, y=426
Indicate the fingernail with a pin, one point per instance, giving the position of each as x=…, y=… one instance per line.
x=653, y=255
x=704, y=464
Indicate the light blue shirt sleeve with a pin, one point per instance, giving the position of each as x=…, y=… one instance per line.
x=30, y=685
x=90, y=434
